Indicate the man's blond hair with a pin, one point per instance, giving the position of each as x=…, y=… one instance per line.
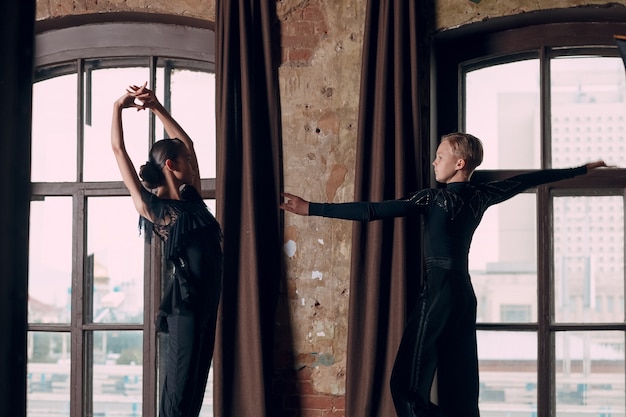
x=467, y=147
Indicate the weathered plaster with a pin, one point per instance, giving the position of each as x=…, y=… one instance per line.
x=199, y=9
x=319, y=100
x=454, y=13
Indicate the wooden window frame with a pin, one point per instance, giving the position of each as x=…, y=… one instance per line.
x=70, y=50
x=541, y=35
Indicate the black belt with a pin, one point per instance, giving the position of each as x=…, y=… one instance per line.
x=446, y=263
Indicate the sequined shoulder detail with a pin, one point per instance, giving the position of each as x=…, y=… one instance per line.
x=421, y=198
x=449, y=202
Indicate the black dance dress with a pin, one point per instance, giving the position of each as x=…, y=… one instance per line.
x=440, y=334
x=191, y=239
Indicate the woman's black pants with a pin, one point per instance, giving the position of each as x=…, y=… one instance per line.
x=440, y=336
x=187, y=362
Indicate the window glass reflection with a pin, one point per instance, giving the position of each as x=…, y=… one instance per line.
x=588, y=112
x=106, y=86
x=508, y=373
x=589, y=258
x=48, y=374
x=211, y=204
x=117, y=358
x=199, y=121
x=503, y=262
x=50, y=260
x=54, y=130
x=502, y=109
x=114, y=264
x=590, y=373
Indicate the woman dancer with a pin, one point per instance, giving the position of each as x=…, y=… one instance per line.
x=170, y=206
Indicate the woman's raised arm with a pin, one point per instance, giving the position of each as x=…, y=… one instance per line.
x=173, y=129
x=126, y=167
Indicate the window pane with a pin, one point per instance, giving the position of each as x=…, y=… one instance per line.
x=507, y=364
x=588, y=111
x=117, y=376
x=502, y=109
x=107, y=85
x=207, y=402
x=48, y=378
x=590, y=374
x=211, y=204
x=50, y=260
x=503, y=262
x=54, y=155
x=198, y=120
x=588, y=258
x=115, y=258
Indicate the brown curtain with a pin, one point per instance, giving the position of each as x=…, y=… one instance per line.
x=386, y=255
x=248, y=195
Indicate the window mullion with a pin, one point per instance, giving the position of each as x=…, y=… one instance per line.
x=80, y=130
x=152, y=118
x=624, y=257
x=545, y=313
x=152, y=293
x=152, y=297
x=77, y=374
x=167, y=83
x=544, y=108
x=545, y=278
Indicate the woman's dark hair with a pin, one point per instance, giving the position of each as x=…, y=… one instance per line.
x=152, y=171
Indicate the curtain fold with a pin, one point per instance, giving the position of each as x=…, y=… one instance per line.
x=386, y=255
x=248, y=195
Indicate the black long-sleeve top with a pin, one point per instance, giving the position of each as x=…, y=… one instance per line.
x=191, y=239
x=451, y=214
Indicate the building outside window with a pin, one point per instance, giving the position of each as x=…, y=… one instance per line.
x=544, y=262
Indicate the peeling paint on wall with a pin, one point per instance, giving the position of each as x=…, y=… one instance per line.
x=336, y=180
x=323, y=359
x=290, y=248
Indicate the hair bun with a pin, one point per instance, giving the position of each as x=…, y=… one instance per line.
x=151, y=175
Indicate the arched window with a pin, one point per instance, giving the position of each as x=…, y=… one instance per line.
x=544, y=95
x=92, y=347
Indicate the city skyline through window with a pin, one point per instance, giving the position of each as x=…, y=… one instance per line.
x=586, y=229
